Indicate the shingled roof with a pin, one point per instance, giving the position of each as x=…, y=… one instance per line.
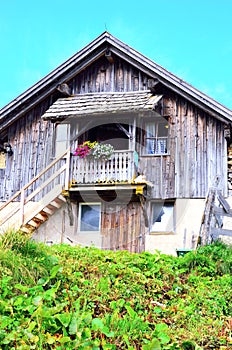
x=102, y=103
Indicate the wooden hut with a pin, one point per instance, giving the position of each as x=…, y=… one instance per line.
x=170, y=141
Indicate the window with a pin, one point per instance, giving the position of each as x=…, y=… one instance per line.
x=156, y=136
x=89, y=217
x=162, y=216
x=61, y=139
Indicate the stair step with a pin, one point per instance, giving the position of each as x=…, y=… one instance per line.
x=62, y=198
x=33, y=223
x=26, y=229
x=41, y=216
x=55, y=203
x=48, y=210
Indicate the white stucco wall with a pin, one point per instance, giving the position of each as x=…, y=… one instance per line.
x=188, y=216
x=58, y=230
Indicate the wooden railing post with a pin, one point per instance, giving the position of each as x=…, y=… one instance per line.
x=22, y=202
x=67, y=172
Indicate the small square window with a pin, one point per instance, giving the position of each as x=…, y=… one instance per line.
x=156, y=138
x=162, y=216
x=89, y=217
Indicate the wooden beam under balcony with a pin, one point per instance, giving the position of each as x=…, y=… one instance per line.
x=121, y=193
x=106, y=187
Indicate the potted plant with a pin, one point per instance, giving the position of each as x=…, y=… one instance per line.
x=102, y=151
x=84, y=149
x=97, y=150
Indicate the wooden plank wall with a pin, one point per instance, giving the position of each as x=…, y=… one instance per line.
x=31, y=138
x=197, y=154
x=106, y=77
x=197, y=145
x=123, y=227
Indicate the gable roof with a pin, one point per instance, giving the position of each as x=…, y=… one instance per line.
x=89, y=54
x=102, y=104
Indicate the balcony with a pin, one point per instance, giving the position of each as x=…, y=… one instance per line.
x=119, y=168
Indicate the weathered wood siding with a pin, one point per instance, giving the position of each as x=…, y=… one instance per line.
x=123, y=227
x=197, y=145
x=105, y=76
x=197, y=154
x=31, y=138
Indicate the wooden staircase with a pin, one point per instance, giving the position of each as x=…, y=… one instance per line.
x=39, y=199
x=44, y=208
x=216, y=208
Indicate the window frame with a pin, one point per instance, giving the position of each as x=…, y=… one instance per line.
x=158, y=141
x=80, y=216
x=173, y=217
x=60, y=144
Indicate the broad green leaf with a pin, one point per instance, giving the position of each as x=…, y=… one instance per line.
x=97, y=324
x=130, y=311
x=32, y=325
x=164, y=338
x=23, y=289
x=37, y=300
x=160, y=327
x=64, y=340
x=55, y=270
x=64, y=318
x=73, y=325
x=105, y=330
x=154, y=345
x=19, y=301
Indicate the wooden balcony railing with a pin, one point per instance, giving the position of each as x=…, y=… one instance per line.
x=119, y=168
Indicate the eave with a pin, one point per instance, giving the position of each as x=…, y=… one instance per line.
x=90, y=53
x=170, y=80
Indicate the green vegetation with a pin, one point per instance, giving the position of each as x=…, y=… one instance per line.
x=64, y=297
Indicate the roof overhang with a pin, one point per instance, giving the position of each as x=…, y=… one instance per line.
x=102, y=104
x=90, y=53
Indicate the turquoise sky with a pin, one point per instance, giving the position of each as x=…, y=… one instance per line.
x=192, y=39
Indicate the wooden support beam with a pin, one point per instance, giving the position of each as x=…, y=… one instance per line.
x=70, y=211
x=223, y=202
x=64, y=89
x=220, y=232
x=221, y=211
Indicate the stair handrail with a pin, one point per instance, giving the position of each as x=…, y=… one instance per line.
x=65, y=155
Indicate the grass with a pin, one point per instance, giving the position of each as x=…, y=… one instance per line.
x=64, y=297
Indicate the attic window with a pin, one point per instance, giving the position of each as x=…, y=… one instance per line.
x=156, y=138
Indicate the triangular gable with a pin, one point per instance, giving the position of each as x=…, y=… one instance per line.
x=106, y=43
